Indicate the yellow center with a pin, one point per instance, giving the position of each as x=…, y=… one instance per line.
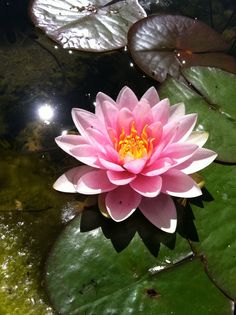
x=133, y=146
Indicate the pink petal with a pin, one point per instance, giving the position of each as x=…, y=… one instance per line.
x=127, y=99
x=110, y=165
x=179, y=152
x=68, y=142
x=147, y=186
x=155, y=131
x=158, y=167
x=135, y=166
x=67, y=182
x=84, y=120
x=161, y=111
x=124, y=120
x=120, y=178
x=168, y=134
x=198, y=137
x=151, y=96
x=111, y=154
x=100, y=98
x=161, y=212
x=107, y=113
x=186, y=125
x=122, y=202
x=86, y=154
x=177, y=111
x=94, y=182
x=199, y=160
x=98, y=139
x=178, y=184
x=142, y=115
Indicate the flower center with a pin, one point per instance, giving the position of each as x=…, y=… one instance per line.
x=133, y=146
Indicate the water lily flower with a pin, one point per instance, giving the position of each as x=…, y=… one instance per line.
x=137, y=154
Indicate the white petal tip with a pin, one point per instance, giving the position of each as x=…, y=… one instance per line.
x=172, y=228
x=63, y=185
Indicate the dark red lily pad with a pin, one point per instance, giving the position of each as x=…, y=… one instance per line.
x=162, y=44
x=95, y=25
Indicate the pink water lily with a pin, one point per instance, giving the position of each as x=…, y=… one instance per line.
x=139, y=153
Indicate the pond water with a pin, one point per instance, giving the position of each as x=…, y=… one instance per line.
x=40, y=82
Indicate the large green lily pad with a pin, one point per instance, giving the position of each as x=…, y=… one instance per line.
x=216, y=86
x=96, y=25
x=215, y=108
x=86, y=276
x=216, y=227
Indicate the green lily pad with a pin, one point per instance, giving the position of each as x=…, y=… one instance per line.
x=216, y=86
x=163, y=44
x=216, y=227
x=95, y=25
x=215, y=118
x=84, y=275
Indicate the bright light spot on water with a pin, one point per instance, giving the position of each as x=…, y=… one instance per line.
x=46, y=113
x=125, y=48
x=56, y=47
x=183, y=62
x=94, y=103
x=131, y=64
x=70, y=51
x=178, y=54
x=64, y=132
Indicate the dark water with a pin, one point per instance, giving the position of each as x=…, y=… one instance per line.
x=35, y=71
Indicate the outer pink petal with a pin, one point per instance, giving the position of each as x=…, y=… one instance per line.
x=120, y=178
x=158, y=167
x=84, y=120
x=177, y=111
x=68, y=142
x=198, y=137
x=127, y=98
x=199, y=160
x=161, y=212
x=151, y=96
x=186, y=125
x=100, y=98
x=161, y=111
x=178, y=184
x=122, y=202
x=135, y=166
x=179, y=152
x=98, y=139
x=94, y=182
x=147, y=186
x=67, y=182
x=86, y=154
x=110, y=165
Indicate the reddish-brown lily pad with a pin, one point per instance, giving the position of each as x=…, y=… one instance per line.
x=162, y=44
x=94, y=25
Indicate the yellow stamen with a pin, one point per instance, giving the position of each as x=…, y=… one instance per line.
x=133, y=146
